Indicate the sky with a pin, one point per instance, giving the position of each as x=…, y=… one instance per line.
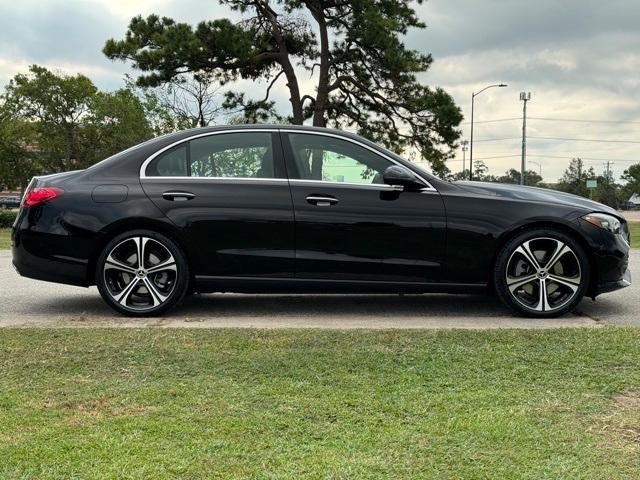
x=580, y=59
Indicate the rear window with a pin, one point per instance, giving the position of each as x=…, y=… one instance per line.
x=172, y=163
x=228, y=155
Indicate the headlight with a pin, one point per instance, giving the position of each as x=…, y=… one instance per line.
x=604, y=221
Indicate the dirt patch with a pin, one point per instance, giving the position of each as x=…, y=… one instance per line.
x=622, y=423
x=628, y=398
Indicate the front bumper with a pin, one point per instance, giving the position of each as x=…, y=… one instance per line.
x=609, y=260
x=606, y=287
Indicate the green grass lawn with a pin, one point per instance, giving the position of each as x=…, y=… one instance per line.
x=634, y=227
x=5, y=238
x=115, y=403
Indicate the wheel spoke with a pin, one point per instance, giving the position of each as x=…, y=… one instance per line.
x=516, y=282
x=154, y=293
x=567, y=282
x=543, y=301
x=526, y=252
x=168, y=264
x=141, y=243
x=113, y=264
x=561, y=250
x=122, y=297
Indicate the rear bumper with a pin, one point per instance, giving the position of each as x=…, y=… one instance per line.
x=48, y=270
x=37, y=255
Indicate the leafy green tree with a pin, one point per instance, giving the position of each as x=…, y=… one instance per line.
x=365, y=77
x=115, y=121
x=608, y=191
x=17, y=165
x=480, y=170
x=55, y=105
x=574, y=179
x=53, y=123
x=632, y=176
x=462, y=175
x=531, y=177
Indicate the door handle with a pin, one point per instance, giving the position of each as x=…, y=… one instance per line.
x=178, y=196
x=322, y=200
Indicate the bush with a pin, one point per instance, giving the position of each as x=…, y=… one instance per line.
x=7, y=217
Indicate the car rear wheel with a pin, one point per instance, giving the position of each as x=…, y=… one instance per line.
x=541, y=273
x=142, y=273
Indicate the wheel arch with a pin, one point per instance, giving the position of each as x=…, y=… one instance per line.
x=134, y=223
x=566, y=228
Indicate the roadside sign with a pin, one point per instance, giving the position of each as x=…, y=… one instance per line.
x=592, y=184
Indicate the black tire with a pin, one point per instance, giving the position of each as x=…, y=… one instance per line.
x=561, y=292
x=155, y=292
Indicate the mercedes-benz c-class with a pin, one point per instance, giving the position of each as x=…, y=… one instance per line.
x=298, y=209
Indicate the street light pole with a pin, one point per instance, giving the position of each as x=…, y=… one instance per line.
x=539, y=166
x=525, y=97
x=473, y=98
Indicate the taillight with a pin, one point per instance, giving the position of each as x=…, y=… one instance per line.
x=39, y=195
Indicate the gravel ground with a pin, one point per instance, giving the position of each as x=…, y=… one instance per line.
x=25, y=302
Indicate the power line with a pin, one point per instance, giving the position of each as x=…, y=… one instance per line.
x=563, y=139
x=481, y=158
x=538, y=155
x=491, y=121
x=497, y=139
x=548, y=119
x=598, y=140
x=584, y=120
x=590, y=159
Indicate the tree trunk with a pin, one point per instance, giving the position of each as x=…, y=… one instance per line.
x=294, y=89
x=322, y=95
x=292, y=81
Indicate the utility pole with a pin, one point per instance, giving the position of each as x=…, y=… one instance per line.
x=464, y=155
x=525, y=97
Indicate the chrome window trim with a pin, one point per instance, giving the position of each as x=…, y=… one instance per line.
x=366, y=186
x=428, y=187
x=220, y=179
x=143, y=167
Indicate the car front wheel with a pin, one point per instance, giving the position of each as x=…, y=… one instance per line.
x=142, y=273
x=541, y=273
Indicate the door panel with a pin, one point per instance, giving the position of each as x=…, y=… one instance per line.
x=369, y=234
x=353, y=227
x=238, y=223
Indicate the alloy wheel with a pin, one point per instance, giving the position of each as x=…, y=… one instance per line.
x=140, y=273
x=543, y=274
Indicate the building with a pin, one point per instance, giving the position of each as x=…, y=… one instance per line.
x=634, y=202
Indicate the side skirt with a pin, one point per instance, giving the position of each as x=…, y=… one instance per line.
x=209, y=284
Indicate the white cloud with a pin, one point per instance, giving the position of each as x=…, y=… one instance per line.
x=579, y=58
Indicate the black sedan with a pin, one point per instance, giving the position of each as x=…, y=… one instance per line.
x=296, y=209
x=9, y=202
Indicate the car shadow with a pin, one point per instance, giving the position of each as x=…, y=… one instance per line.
x=89, y=304
x=379, y=306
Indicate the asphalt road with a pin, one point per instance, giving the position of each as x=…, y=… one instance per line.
x=25, y=302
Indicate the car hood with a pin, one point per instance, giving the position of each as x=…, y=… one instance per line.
x=535, y=194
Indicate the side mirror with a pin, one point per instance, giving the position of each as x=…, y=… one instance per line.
x=397, y=175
